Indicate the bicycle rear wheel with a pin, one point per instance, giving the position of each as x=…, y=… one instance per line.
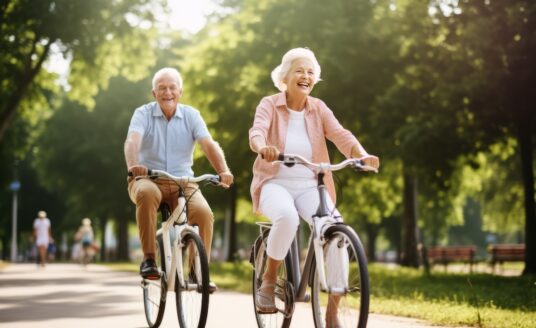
x=284, y=299
x=155, y=291
x=192, y=298
x=345, y=267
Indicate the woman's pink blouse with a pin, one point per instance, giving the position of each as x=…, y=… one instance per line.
x=271, y=122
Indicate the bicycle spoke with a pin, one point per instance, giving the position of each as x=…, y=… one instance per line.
x=350, y=307
x=153, y=300
x=192, y=299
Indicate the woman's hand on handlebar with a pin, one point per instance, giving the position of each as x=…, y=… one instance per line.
x=138, y=170
x=226, y=179
x=269, y=153
x=371, y=160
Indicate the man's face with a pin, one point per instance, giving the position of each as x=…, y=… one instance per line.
x=167, y=92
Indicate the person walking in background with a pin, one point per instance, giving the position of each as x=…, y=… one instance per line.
x=162, y=135
x=294, y=122
x=85, y=236
x=43, y=235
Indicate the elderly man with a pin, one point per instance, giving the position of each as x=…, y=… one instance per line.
x=162, y=135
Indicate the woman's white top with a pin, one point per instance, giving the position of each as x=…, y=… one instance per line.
x=297, y=142
x=41, y=227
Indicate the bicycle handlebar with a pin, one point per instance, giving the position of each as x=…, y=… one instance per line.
x=292, y=159
x=212, y=178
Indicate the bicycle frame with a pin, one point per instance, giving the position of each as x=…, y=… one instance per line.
x=304, y=279
x=322, y=219
x=172, y=230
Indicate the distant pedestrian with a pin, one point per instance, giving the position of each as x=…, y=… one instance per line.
x=43, y=235
x=85, y=236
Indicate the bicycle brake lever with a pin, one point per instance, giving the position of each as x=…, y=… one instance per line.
x=281, y=158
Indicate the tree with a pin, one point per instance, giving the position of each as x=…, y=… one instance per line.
x=94, y=34
x=80, y=156
x=500, y=75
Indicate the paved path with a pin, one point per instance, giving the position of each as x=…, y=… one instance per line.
x=67, y=295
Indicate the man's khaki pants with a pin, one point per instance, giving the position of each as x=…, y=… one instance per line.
x=148, y=194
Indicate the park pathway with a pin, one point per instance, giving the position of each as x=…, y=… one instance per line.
x=67, y=295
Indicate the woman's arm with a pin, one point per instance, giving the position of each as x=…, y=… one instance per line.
x=259, y=131
x=258, y=145
x=345, y=141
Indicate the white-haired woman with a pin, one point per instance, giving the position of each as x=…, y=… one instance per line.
x=293, y=122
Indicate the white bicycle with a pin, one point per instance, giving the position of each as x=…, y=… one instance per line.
x=335, y=264
x=182, y=261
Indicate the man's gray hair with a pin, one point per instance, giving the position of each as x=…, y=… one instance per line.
x=281, y=71
x=167, y=70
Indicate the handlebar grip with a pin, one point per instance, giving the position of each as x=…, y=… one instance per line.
x=281, y=157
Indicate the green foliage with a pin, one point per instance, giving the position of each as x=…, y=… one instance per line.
x=94, y=34
x=493, y=178
x=370, y=198
x=80, y=157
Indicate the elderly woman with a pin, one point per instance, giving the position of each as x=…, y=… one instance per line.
x=293, y=122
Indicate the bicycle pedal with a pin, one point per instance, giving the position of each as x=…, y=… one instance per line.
x=259, y=311
x=152, y=277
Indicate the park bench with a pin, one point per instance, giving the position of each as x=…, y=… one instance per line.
x=446, y=254
x=501, y=253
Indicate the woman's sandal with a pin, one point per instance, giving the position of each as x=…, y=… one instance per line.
x=265, y=301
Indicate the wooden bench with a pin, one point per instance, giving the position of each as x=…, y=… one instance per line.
x=446, y=254
x=501, y=253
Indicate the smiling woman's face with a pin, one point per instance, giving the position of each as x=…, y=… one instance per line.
x=301, y=77
x=167, y=92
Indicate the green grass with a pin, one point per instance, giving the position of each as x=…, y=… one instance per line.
x=479, y=300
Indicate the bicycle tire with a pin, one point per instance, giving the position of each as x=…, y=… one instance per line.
x=155, y=291
x=192, y=300
x=285, y=283
x=353, y=305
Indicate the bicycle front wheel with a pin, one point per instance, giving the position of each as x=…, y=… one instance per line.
x=345, y=303
x=192, y=298
x=155, y=291
x=284, y=294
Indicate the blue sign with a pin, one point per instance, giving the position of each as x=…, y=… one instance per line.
x=14, y=186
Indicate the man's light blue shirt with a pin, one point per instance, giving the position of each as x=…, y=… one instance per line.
x=168, y=145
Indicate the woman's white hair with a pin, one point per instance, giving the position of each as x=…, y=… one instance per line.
x=281, y=71
x=170, y=71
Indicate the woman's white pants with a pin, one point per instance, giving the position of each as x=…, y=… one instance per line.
x=284, y=202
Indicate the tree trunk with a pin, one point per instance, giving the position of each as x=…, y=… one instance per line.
x=409, y=256
x=7, y=111
x=122, y=238
x=372, y=236
x=525, y=144
x=230, y=256
x=103, y=255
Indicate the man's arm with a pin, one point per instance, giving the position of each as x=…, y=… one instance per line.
x=132, y=154
x=215, y=156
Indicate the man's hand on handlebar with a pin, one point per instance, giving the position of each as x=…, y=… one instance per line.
x=138, y=170
x=269, y=153
x=226, y=179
